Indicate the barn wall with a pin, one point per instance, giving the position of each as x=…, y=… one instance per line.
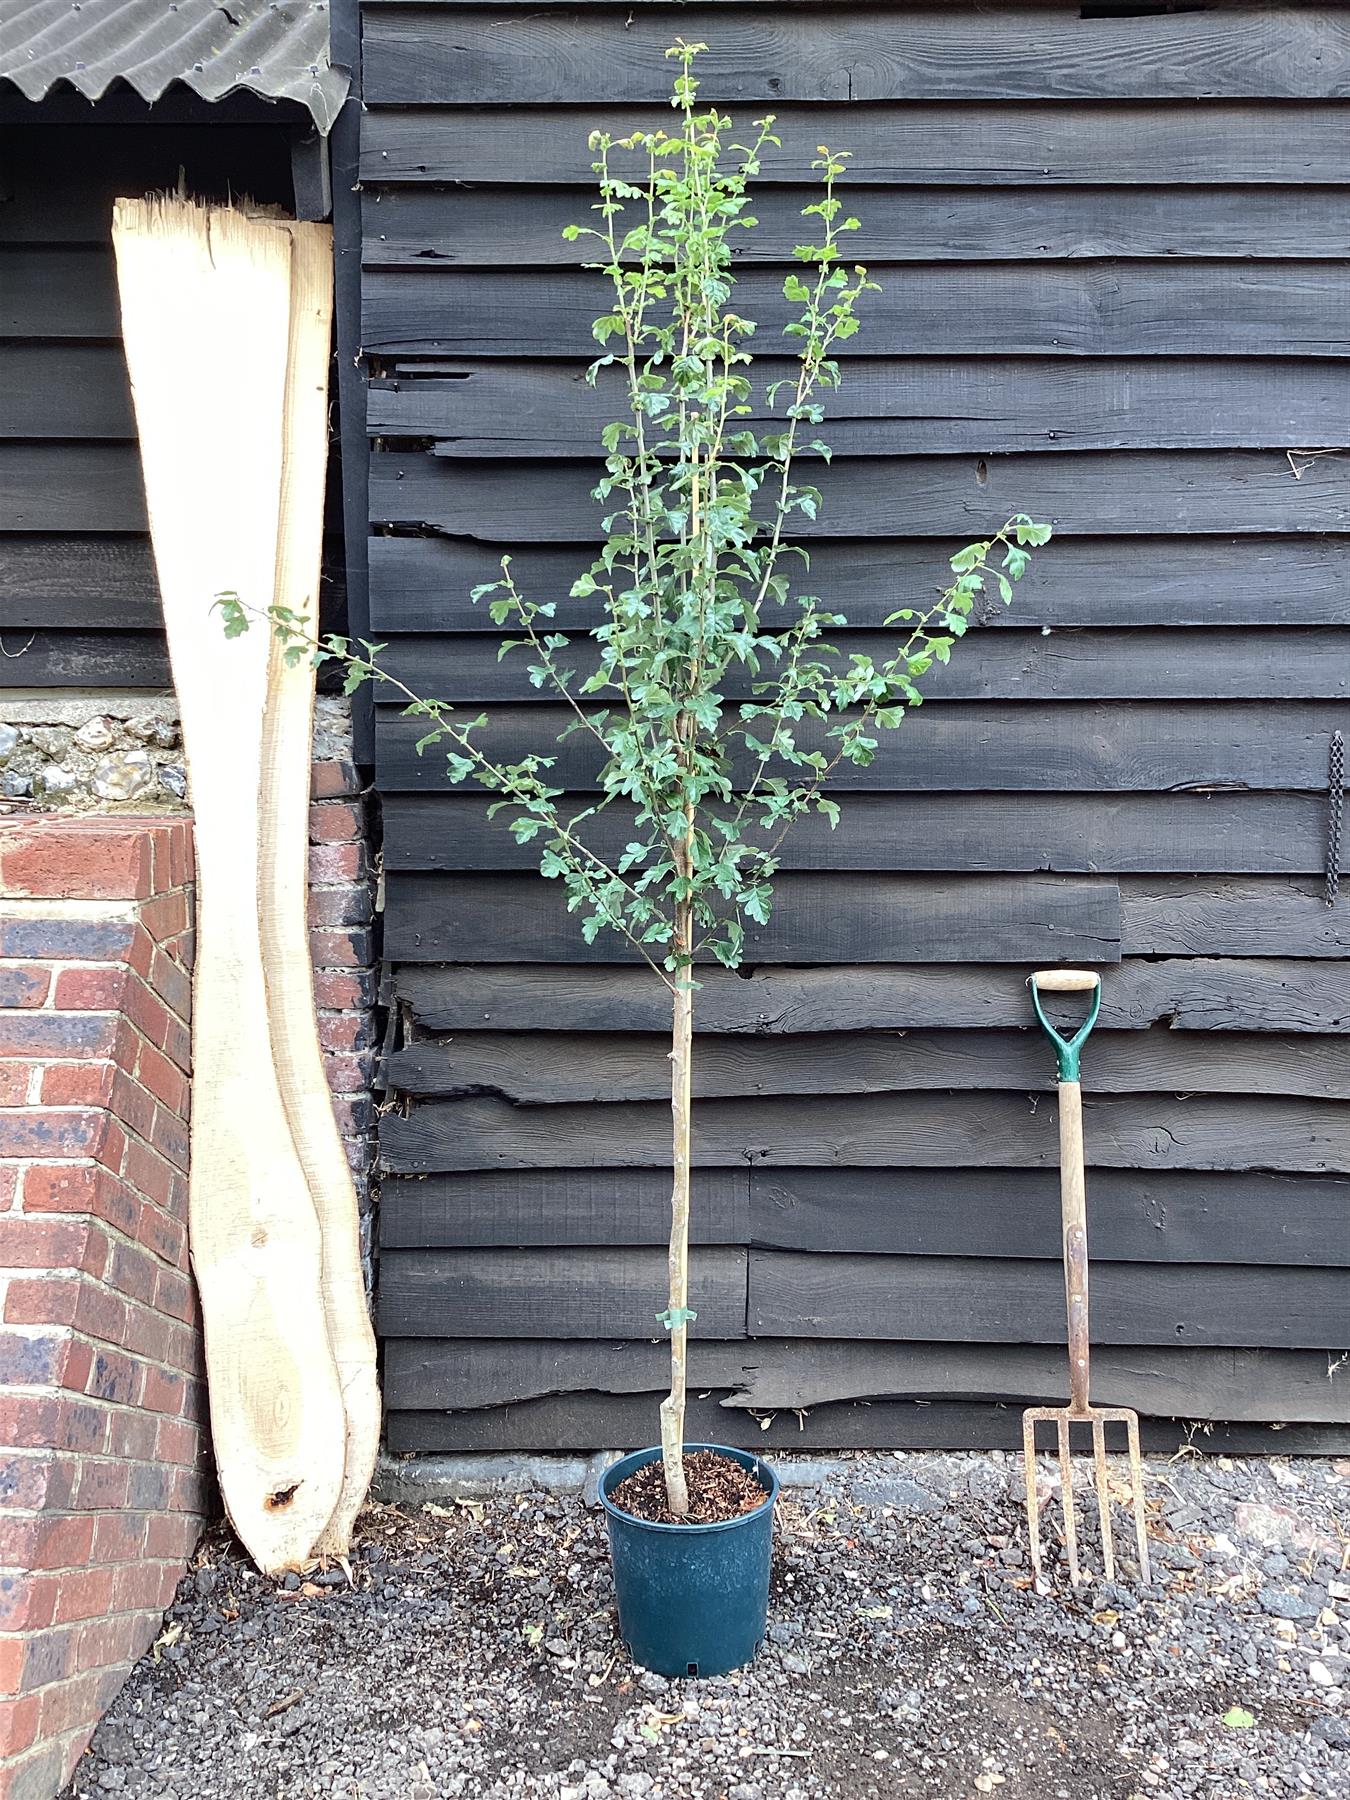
x=1113, y=256
x=79, y=606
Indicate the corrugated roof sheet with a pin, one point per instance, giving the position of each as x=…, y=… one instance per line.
x=276, y=48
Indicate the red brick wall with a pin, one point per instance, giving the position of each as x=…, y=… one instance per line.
x=103, y=1481
x=103, y=1451
x=341, y=912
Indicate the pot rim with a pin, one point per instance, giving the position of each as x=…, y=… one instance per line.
x=639, y=1459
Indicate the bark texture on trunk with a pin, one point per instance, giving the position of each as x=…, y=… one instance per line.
x=681, y=1094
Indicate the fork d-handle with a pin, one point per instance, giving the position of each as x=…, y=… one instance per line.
x=1072, y=1181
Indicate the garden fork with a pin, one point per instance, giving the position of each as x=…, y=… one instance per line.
x=1073, y=1211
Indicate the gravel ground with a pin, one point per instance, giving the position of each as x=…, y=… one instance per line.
x=473, y=1653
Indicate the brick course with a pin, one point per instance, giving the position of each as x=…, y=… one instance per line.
x=98, y=1327
x=341, y=912
x=104, y=1463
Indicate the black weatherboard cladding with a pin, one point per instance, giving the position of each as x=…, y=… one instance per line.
x=79, y=603
x=1113, y=259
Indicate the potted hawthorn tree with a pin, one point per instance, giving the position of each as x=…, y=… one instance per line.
x=716, y=711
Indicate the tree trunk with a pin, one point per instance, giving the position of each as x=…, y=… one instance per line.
x=681, y=1094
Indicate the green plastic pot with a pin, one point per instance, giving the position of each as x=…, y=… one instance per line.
x=693, y=1599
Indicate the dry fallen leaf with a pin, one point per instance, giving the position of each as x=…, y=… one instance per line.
x=475, y=1507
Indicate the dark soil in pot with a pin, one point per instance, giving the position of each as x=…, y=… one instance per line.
x=718, y=1489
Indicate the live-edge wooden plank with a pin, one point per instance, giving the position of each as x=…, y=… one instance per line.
x=459, y=54
x=565, y=1206
x=1106, y=493
x=1071, y=747
x=770, y=1375
x=64, y=391
x=978, y=144
x=83, y=582
x=1092, y=834
x=469, y=227
x=836, y=917
x=902, y=405
x=71, y=487
x=485, y=405
x=924, y=1130
x=433, y=918
x=562, y=1068
x=1189, y=993
x=52, y=291
x=1301, y=663
x=581, y=1421
x=1137, y=1215
x=1182, y=1216
x=424, y=583
x=965, y=1300
x=1196, y=916
x=37, y=658
x=527, y=1293
x=1124, y=308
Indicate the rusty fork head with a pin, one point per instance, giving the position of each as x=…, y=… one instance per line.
x=1098, y=1417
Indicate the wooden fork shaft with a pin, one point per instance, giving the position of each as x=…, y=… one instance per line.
x=1073, y=1219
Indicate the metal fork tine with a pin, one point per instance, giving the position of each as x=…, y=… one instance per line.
x=1103, y=1499
x=1033, y=1498
x=1137, y=1495
x=1066, y=1493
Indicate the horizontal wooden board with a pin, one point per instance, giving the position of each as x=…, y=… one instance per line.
x=1285, y=1386
x=1071, y=747
x=64, y=391
x=925, y=919
x=566, y=1206
x=926, y=1130
x=955, y=406
x=965, y=1300
x=874, y=918
x=915, y=143
x=78, y=582
x=424, y=583
x=36, y=658
x=586, y=1067
x=1177, y=1216
x=58, y=291
x=1124, y=308
x=1109, y=493
x=478, y=227
x=1006, y=665
x=1201, y=917
x=71, y=488
x=528, y=1293
x=1091, y=834
x=1171, y=1216
x=772, y=1375
x=590, y=1421
x=1188, y=993
x=484, y=54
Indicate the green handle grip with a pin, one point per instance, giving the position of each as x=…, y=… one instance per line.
x=1068, y=1051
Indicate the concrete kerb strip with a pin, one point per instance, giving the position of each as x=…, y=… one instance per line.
x=414, y=1481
